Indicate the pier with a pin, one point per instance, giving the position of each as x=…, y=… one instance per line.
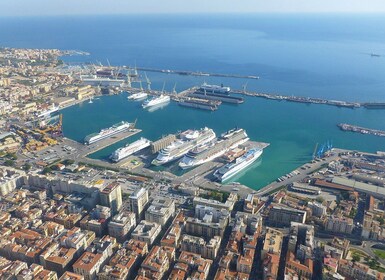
x=85, y=150
x=198, y=74
x=362, y=130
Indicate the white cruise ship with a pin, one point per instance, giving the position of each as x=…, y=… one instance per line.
x=137, y=96
x=185, y=142
x=107, y=132
x=205, y=153
x=130, y=149
x=239, y=164
x=157, y=100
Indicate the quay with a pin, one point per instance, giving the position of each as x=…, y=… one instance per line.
x=300, y=173
x=85, y=150
x=202, y=175
x=363, y=130
x=199, y=74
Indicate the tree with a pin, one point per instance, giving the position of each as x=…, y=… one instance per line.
x=356, y=258
x=46, y=170
x=27, y=167
x=9, y=162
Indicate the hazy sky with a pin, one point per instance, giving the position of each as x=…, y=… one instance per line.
x=60, y=7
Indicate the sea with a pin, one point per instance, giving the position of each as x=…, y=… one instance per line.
x=315, y=55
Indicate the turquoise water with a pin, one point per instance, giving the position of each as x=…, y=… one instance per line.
x=292, y=129
x=310, y=55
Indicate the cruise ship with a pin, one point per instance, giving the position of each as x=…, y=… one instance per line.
x=137, y=96
x=186, y=141
x=157, y=100
x=214, y=89
x=130, y=149
x=48, y=112
x=107, y=132
x=239, y=164
x=205, y=153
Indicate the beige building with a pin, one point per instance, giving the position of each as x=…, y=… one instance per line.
x=10, y=179
x=272, y=243
x=111, y=196
x=121, y=224
x=88, y=265
x=137, y=202
x=146, y=232
x=199, y=246
x=160, y=211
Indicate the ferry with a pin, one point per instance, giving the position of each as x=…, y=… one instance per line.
x=186, y=141
x=130, y=149
x=215, y=89
x=156, y=101
x=107, y=132
x=215, y=149
x=137, y=96
x=238, y=165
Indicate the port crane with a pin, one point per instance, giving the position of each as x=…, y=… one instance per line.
x=244, y=87
x=164, y=84
x=148, y=82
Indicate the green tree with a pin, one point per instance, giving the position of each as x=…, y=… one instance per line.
x=47, y=170
x=9, y=162
x=356, y=258
x=27, y=167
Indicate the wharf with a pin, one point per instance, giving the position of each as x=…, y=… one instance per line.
x=85, y=150
x=199, y=74
x=363, y=130
x=203, y=175
x=301, y=173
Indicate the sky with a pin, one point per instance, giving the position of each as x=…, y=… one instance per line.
x=95, y=7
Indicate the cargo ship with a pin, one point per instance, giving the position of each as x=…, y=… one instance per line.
x=185, y=141
x=238, y=165
x=217, y=148
x=197, y=103
x=130, y=149
x=214, y=89
x=137, y=96
x=155, y=101
x=107, y=132
x=217, y=96
x=374, y=105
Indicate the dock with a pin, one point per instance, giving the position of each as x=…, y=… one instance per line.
x=197, y=73
x=362, y=130
x=85, y=150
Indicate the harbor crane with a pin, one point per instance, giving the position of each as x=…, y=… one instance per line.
x=244, y=87
x=148, y=82
x=164, y=84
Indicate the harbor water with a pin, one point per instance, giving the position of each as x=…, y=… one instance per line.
x=326, y=56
